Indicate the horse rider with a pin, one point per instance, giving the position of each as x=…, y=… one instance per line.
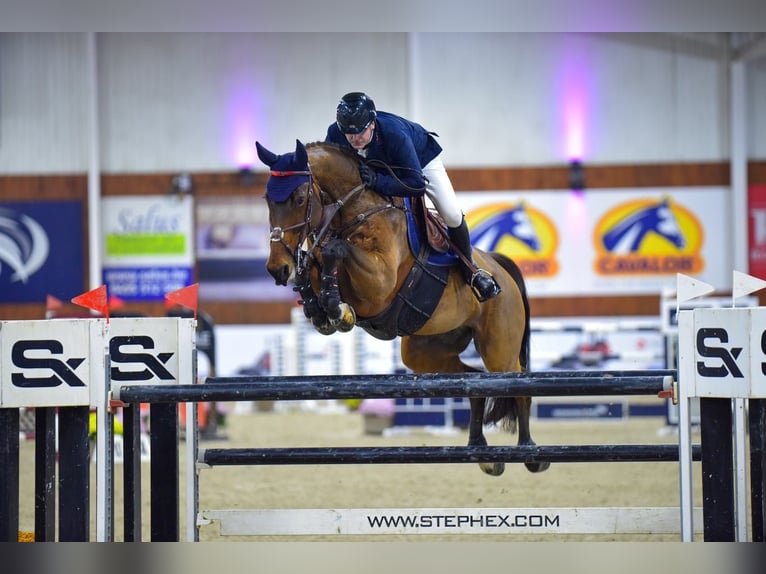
x=414, y=152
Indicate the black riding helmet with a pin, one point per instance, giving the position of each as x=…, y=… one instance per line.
x=355, y=112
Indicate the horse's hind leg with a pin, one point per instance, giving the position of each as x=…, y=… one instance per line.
x=476, y=436
x=524, y=407
x=442, y=355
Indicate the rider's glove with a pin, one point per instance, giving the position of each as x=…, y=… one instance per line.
x=368, y=175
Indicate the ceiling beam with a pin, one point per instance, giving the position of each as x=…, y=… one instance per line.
x=753, y=49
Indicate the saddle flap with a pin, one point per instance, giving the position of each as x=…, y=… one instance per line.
x=435, y=227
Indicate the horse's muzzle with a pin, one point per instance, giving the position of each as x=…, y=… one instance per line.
x=281, y=274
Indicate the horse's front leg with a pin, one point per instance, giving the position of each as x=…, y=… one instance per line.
x=311, y=307
x=341, y=315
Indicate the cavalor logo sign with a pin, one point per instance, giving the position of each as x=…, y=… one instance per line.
x=648, y=237
x=518, y=231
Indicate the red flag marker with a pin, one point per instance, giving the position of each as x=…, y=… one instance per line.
x=186, y=297
x=115, y=302
x=95, y=299
x=52, y=303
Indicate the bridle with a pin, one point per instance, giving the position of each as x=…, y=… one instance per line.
x=317, y=235
x=277, y=233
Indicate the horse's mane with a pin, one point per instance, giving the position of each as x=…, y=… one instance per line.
x=349, y=153
x=331, y=162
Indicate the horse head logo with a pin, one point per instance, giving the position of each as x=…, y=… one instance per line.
x=627, y=234
x=288, y=171
x=24, y=245
x=516, y=222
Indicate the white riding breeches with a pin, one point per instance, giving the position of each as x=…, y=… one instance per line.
x=441, y=193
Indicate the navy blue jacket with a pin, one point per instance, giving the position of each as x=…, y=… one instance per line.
x=399, y=143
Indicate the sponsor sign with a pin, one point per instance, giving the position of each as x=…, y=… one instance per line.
x=232, y=248
x=606, y=242
x=148, y=245
x=648, y=237
x=519, y=230
x=41, y=250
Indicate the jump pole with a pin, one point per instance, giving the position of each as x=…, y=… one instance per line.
x=477, y=384
x=538, y=384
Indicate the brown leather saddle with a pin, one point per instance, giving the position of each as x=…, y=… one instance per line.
x=433, y=226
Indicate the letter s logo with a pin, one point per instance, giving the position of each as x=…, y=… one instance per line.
x=63, y=370
x=153, y=365
x=728, y=357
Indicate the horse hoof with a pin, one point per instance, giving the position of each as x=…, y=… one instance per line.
x=347, y=319
x=323, y=327
x=325, y=330
x=493, y=469
x=537, y=466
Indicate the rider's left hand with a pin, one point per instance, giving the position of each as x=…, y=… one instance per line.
x=368, y=175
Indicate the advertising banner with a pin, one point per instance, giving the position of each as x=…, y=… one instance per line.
x=148, y=245
x=41, y=250
x=606, y=242
x=588, y=243
x=232, y=249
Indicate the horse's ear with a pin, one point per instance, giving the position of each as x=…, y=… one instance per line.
x=266, y=156
x=301, y=156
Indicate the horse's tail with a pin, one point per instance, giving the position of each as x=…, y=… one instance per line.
x=504, y=409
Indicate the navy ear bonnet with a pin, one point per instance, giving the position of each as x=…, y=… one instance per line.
x=288, y=171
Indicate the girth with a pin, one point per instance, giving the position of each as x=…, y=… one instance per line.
x=413, y=304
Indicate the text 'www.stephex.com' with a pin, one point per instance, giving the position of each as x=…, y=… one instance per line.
x=463, y=521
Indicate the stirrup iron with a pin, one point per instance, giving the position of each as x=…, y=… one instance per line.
x=483, y=285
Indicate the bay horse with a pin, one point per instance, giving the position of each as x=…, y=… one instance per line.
x=349, y=253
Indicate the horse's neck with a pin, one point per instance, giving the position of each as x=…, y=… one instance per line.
x=336, y=173
x=349, y=196
x=366, y=204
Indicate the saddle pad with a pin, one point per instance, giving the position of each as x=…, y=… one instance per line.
x=434, y=257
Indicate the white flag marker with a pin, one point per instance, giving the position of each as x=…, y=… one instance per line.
x=688, y=288
x=743, y=284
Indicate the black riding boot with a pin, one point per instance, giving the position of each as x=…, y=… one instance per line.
x=483, y=284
